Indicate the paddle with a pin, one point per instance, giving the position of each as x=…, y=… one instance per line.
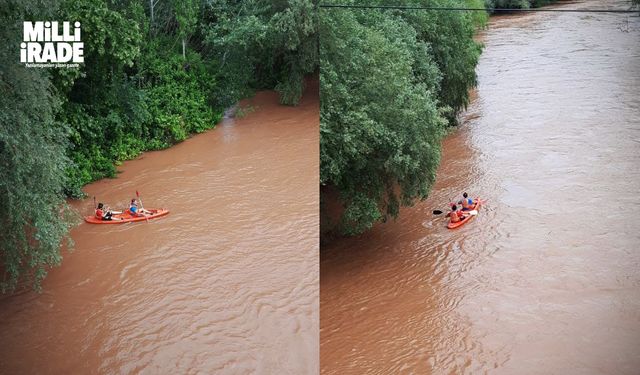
x=438, y=212
x=141, y=206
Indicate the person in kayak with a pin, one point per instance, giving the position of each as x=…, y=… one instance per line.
x=466, y=202
x=135, y=211
x=103, y=213
x=455, y=215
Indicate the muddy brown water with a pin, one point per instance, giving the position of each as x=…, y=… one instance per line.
x=546, y=280
x=227, y=283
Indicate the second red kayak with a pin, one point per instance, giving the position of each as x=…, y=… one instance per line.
x=462, y=222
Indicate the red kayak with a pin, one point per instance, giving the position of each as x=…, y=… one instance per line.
x=462, y=222
x=126, y=217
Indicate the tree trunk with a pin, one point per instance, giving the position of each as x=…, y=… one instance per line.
x=151, y=6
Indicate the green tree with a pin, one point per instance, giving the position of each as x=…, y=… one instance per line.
x=186, y=13
x=379, y=122
x=100, y=102
x=517, y=4
x=390, y=82
x=33, y=220
x=450, y=37
x=262, y=44
x=480, y=19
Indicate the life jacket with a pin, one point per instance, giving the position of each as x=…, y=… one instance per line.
x=99, y=213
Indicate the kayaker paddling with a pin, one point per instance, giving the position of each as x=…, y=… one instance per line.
x=135, y=211
x=466, y=202
x=456, y=216
x=104, y=213
x=459, y=218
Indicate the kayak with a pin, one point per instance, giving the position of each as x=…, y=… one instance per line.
x=462, y=222
x=126, y=217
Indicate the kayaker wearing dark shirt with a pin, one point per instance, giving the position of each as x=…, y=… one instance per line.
x=103, y=214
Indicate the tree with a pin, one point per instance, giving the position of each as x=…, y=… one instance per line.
x=380, y=126
x=390, y=83
x=450, y=36
x=33, y=213
x=262, y=44
x=99, y=101
x=186, y=13
x=517, y=4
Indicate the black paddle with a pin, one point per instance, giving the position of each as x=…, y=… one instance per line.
x=437, y=212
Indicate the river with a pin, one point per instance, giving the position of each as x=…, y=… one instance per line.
x=227, y=283
x=546, y=279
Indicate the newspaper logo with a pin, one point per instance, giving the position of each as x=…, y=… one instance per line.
x=46, y=44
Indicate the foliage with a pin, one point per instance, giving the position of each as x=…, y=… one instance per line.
x=390, y=83
x=151, y=83
x=381, y=119
x=99, y=102
x=186, y=16
x=480, y=19
x=178, y=97
x=32, y=160
x=450, y=37
x=262, y=43
x=517, y=4
x=133, y=93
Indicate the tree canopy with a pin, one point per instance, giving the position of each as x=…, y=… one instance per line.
x=32, y=159
x=391, y=82
x=517, y=4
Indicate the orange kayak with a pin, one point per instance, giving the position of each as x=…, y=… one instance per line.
x=462, y=222
x=126, y=217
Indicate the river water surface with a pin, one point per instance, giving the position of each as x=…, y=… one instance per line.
x=546, y=280
x=227, y=283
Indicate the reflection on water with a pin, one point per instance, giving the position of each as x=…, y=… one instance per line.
x=545, y=280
